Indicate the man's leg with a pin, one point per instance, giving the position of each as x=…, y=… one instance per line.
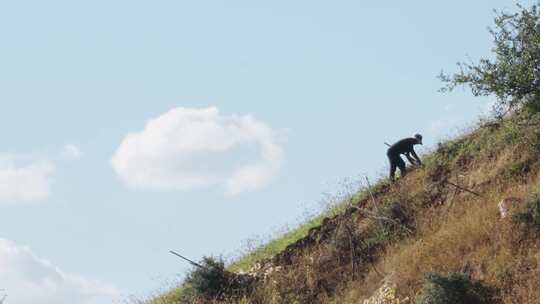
x=393, y=165
x=401, y=165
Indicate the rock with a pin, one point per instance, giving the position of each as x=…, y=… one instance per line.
x=386, y=294
x=507, y=204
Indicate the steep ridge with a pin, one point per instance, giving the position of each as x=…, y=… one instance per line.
x=441, y=218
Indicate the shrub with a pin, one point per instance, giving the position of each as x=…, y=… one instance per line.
x=530, y=217
x=455, y=288
x=210, y=281
x=345, y=238
x=514, y=74
x=517, y=170
x=450, y=150
x=399, y=220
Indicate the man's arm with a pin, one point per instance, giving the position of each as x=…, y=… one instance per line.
x=412, y=161
x=416, y=157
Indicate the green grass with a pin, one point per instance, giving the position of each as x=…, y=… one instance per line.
x=277, y=245
x=170, y=297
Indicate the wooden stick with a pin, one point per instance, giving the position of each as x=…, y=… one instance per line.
x=461, y=188
x=382, y=218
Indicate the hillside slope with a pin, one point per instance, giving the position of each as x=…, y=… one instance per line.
x=441, y=218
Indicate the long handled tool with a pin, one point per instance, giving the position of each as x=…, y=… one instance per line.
x=188, y=260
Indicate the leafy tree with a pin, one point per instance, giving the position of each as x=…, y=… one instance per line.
x=513, y=76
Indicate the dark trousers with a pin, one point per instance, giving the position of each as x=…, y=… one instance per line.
x=396, y=162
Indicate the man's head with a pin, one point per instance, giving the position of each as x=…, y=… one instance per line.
x=418, y=138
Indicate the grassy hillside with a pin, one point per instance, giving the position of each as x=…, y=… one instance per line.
x=398, y=234
x=437, y=235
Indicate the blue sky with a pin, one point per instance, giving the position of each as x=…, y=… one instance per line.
x=266, y=104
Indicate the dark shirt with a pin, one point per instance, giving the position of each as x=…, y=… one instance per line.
x=403, y=146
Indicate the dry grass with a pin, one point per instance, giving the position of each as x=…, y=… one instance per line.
x=451, y=230
x=464, y=233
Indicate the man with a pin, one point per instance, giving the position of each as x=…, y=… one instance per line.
x=404, y=146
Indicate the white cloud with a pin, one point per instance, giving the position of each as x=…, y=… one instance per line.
x=71, y=152
x=188, y=148
x=24, y=181
x=28, y=279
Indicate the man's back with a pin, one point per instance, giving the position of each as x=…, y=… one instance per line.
x=403, y=146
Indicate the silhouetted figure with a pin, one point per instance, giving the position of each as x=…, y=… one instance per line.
x=404, y=146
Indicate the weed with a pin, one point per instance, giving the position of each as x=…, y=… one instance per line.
x=530, y=217
x=454, y=288
x=393, y=223
x=517, y=170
